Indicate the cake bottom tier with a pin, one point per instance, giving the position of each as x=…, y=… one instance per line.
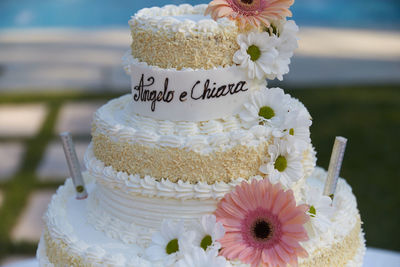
x=69, y=239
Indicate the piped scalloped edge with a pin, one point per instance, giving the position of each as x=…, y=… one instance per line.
x=149, y=186
x=128, y=60
x=200, y=139
x=160, y=18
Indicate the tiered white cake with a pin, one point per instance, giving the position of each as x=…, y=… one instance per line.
x=203, y=165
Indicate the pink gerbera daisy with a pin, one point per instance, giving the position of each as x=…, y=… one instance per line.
x=264, y=227
x=250, y=12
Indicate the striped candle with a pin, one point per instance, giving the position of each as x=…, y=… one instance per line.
x=73, y=165
x=335, y=165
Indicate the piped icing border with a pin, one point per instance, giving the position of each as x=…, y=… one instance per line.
x=128, y=60
x=157, y=18
x=119, y=122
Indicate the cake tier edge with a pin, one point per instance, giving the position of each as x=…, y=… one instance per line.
x=70, y=240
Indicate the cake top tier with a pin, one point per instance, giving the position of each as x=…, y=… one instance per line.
x=182, y=37
x=206, y=37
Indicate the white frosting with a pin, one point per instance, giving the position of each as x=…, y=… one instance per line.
x=191, y=17
x=183, y=18
x=113, y=212
x=41, y=254
x=189, y=95
x=111, y=208
x=148, y=186
x=67, y=218
x=118, y=121
x=346, y=212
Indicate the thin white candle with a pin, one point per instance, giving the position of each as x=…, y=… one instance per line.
x=73, y=165
x=335, y=165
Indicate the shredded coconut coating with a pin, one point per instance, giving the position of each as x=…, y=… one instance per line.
x=196, y=50
x=338, y=254
x=177, y=164
x=58, y=253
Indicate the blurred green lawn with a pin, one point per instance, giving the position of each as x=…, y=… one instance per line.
x=368, y=116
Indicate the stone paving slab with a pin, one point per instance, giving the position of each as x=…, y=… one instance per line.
x=76, y=117
x=21, y=120
x=30, y=223
x=15, y=260
x=10, y=159
x=54, y=58
x=53, y=166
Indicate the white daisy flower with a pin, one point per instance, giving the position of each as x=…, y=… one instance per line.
x=296, y=126
x=287, y=39
x=299, y=136
x=200, y=258
x=321, y=210
x=297, y=133
x=256, y=54
x=284, y=163
x=208, y=231
x=279, y=67
x=286, y=32
x=266, y=106
x=295, y=130
x=170, y=243
x=344, y=204
x=298, y=107
x=255, y=84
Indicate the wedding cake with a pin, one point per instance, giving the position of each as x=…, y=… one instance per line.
x=203, y=164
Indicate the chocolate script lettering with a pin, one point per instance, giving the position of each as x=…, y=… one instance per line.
x=206, y=92
x=154, y=96
x=143, y=91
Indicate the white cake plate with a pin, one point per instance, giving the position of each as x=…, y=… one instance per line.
x=374, y=257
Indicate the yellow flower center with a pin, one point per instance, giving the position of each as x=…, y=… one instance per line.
x=280, y=163
x=291, y=131
x=172, y=246
x=254, y=52
x=206, y=242
x=312, y=211
x=266, y=112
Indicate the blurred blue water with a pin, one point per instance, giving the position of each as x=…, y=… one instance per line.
x=376, y=14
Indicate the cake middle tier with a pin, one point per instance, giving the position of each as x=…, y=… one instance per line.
x=218, y=150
